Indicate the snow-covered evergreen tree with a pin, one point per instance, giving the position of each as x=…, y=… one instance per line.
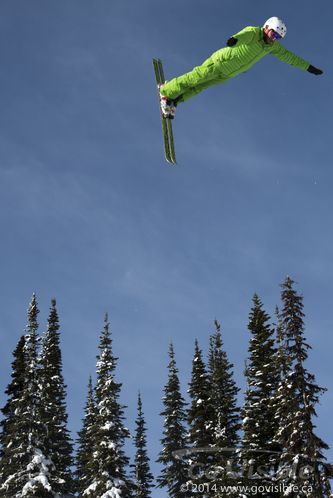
x=262, y=375
x=86, y=441
x=108, y=460
x=10, y=450
x=201, y=411
x=58, y=445
x=142, y=477
x=226, y=413
x=302, y=459
x=201, y=418
x=31, y=467
x=173, y=475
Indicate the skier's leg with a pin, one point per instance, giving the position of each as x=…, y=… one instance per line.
x=200, y=75
x=191, y=92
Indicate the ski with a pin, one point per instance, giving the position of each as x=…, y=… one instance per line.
x=169, y=147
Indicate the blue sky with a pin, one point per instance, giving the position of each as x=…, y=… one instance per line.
x=92, y=215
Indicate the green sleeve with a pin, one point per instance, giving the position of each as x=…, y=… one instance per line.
x=286, y=56
x=246, y=35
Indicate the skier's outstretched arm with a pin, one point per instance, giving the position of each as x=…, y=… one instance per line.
x=294, y=60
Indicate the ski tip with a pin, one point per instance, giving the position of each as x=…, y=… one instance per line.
x=171, y=161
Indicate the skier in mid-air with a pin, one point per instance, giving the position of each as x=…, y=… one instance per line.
x=243, y=49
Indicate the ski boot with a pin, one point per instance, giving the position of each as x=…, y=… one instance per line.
x=168, y=106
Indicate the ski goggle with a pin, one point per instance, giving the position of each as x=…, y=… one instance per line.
x=275, y=35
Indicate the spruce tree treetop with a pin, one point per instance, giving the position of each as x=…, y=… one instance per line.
x=174, y=470
x=225, y=417
x=201, y=411
x=297, y=397
x=262, y=376
x=259, y=449
x=32, y=340
x=58, y=443
x=109, y=462
x=223, y=393
x=292, y=318
x=142, y=476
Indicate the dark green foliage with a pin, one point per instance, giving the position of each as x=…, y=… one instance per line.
x=9, y=441
x=259, y=421
x=142, y=476
x=201, y=421
x=297, y=397
x=262, y=375
x=225, y=417
x=174, y=470
x=279, y=412
x=86, y=443
x=108, y=462
x=223, y=394
x=29, y=465
x=36, y=444
x=201, y=411
x=58, y=445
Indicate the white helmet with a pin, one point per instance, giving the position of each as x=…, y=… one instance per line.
x=277, y=24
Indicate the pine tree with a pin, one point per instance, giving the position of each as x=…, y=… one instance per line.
x=302, y=460
x=173, y=475
x=201, y=411
x=86, y=440
x=142, y=476
x=108, y=460
x=29, y=463
x=262, y=374
x=58, y=445
x=9, y=442
x=201, y=423
x=226, y=414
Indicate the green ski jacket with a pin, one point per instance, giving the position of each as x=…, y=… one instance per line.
x=249, y=49
x=228, y=62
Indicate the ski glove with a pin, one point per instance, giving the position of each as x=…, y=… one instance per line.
x=232, y=41
x=314, y=70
